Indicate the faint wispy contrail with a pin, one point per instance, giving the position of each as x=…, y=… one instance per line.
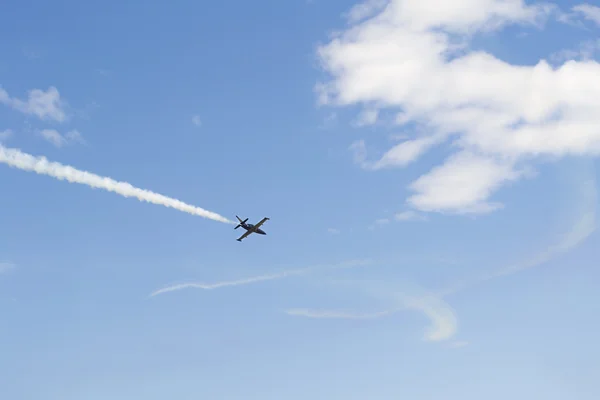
x=581, y=228
x=40, y=165
x=332, y=314
x=259, y=278
x=238, y=282
x=443, y=320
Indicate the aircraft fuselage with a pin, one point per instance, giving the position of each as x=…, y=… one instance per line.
x=250, y=227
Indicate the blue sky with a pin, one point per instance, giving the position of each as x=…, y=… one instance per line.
x=429, y=172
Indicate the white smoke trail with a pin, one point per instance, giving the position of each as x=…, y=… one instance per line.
x=40, y=165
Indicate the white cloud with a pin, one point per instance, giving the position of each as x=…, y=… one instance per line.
x=404, y=153
x=412, y=56
x=409, y=215
x=458, y=344
x=43, y=104
x=58, y=140
x=333, y=231
x=52, y=136
x=196, y=120
x=379, y=222
x=586, y=51
x=398, y=156
x=365, y=10
x=461, y=16
x=462, y=184
x=588, y=11
x=5, y=135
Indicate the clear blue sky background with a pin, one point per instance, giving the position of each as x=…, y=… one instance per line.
x=77, y=319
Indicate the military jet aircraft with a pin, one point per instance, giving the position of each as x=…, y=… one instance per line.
x=250, y=228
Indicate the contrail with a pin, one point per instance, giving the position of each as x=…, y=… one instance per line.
x=238, y=282
x=582, y=227
x=40, y=165
x=260, y=278
x=327, y=314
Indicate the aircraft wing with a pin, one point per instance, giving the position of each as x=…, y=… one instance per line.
x=262, y=221
x=244, y=235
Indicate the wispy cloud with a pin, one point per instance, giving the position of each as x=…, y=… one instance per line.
x=589, y=12
x=259, y=278
x=365, y=10
x=333, y=231
x=585, y=51
x=46, y=105
x=40, y=165
x=400, y=155
x=54, y=137
x=379, y=222
x=403, y=216
x=409, y=215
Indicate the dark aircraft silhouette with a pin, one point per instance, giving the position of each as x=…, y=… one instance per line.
x=250, y=228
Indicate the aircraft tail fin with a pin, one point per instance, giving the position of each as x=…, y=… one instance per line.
x=241, y=222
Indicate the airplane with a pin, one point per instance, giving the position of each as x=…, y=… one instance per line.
x=250, y=228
